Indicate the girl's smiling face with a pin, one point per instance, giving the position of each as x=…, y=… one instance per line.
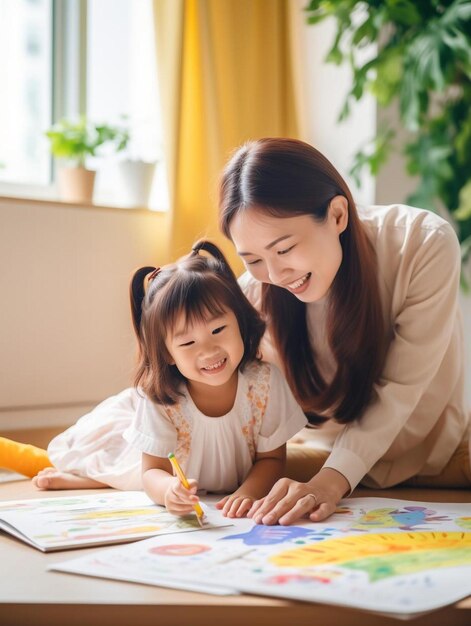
x=206, y=351
x=297, y=253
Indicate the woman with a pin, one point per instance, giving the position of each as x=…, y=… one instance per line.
x=363, y=317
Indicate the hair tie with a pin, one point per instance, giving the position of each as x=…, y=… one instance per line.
x=154, y=274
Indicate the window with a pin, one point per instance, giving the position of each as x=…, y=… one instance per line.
x=66, y=58
x=26, y=79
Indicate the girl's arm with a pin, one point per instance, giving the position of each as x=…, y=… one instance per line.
x=268, y=467
x=164, y=488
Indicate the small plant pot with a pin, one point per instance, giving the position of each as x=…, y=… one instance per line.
x=134, y=183
x=76, y=184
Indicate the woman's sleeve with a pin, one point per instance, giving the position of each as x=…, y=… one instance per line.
x=422, y=332
x=283, y=416
x=151, y=430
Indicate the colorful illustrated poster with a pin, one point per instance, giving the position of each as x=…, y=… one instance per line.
x=61, y=523
x=378, y=554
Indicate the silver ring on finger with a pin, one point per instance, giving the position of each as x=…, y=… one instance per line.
x=314, y=497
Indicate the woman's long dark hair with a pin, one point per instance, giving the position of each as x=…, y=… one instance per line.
x=196, y=286
x=285, y=178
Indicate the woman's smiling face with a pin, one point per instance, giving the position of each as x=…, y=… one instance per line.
x=297, y=253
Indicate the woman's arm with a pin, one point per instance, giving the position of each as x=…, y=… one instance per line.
x=164, y=488
x=421, y=361
x=266, y=470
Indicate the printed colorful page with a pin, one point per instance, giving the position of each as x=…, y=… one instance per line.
x=378, y=554
x=61, y=523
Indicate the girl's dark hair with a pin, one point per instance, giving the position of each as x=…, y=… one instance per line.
x=285, y=178
x=196, y=285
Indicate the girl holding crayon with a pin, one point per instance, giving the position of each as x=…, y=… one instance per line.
x=201, y=391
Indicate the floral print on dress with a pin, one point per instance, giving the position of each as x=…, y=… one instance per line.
x=184, y=428
x=258, y=375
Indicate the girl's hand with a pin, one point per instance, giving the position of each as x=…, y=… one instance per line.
x=290, y=500
x=236, y=505
x=178, y=500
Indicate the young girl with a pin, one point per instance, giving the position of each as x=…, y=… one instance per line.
x=364, y=319
x=201, y=392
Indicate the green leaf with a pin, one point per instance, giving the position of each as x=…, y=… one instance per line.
x=345, y=110
x=365, y=33
x=409, y=105
x=389, y=71
x=77, y=139
x=404, y=12
x=334, y=55
x=463, y=212
x=463, y=141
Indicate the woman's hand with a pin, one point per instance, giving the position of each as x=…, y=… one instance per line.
x=290, y=500
x=236, y=505
x=178, y=500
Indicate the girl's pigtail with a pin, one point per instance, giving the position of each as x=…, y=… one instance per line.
x=210, y=247
x=215, y=252
x=136, y=294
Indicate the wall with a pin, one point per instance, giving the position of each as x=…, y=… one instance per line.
x=322, y=88
x=66, y=341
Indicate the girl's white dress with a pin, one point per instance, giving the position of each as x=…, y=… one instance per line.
x=216, y=451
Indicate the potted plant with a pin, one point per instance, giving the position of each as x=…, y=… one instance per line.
x=74, y=141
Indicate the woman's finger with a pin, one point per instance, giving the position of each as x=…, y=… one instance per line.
x=279, y=491
x=279, y=510
x=304, y=505
x=323, y=511
x=270, y=515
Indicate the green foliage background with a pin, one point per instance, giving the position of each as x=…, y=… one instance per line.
x=423, y=61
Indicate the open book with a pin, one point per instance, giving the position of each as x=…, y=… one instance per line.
x=62, y=523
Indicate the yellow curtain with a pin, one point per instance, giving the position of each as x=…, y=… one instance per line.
x=225, y=77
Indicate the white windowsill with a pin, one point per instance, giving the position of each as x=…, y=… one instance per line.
x=53, y=201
